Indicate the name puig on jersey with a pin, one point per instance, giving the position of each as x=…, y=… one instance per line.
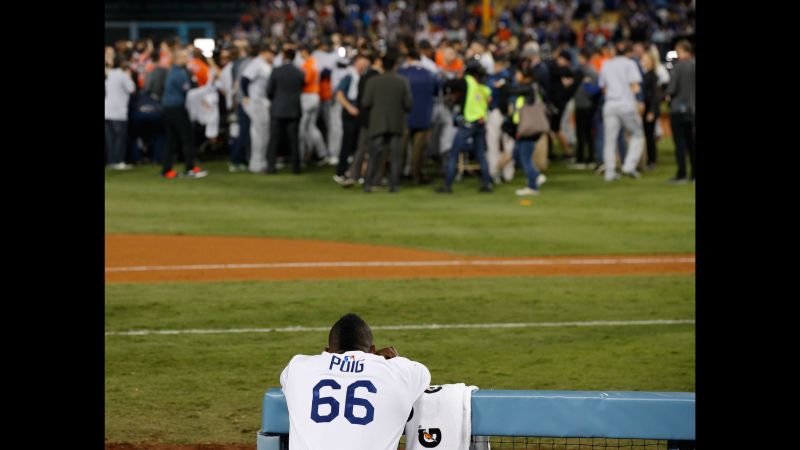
x=347, y=364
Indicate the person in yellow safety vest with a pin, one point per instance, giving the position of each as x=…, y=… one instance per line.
x=524, y=146
x=474, y=111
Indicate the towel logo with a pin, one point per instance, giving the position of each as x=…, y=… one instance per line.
x=433, y=388
x=430, y=437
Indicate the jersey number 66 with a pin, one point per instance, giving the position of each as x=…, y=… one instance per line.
x=351, y=401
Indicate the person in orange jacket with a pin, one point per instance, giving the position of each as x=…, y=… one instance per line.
x=198, y=67
x=310, y=135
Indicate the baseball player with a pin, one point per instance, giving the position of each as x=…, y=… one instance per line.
x=351, y=396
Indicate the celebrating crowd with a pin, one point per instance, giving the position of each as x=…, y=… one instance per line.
x=388, y=93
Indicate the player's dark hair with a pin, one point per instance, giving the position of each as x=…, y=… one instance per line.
x=288, y=54
x=350, y=333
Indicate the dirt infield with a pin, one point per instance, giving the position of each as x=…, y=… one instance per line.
x=148, y=258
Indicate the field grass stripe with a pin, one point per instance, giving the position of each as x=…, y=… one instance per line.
x=432, y=326
x=335, y=264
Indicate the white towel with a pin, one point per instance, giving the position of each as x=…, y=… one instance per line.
x=441, y=418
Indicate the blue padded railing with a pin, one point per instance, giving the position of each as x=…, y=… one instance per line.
x=622, y=415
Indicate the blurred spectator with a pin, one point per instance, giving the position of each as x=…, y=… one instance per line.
x=427, y=56
x=424, y=88
x=587, y=98
x=525, y=94
x=347, y=92
x=682, y=108
x=284, y=88
x=562, y=88
x=240, y=152
x=652, y=100
x=155, y=79
x=256, y=105
x=363, y=146
x=198, y=67
x=388, y=98
x=620, y=80
x=228, y=56
x=326, y=59
x=448, y=61
x=119, y=87
x=473, y=112
x=310, y=137
x=179, y=128
x=109, y=55
x=498, y=142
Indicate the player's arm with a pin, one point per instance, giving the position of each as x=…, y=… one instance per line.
x=388, y=352
x=422, y=378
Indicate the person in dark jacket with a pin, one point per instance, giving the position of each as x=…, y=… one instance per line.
x=652, y=97
x=284, y=89
x=356, y=172
x=346, y=94
x=424, y=88
x=388, y=99
x=682, y=107
x=562, y=88
x=179, y=128
x=587, y=99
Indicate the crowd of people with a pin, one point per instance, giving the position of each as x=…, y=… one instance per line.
x=394, y=92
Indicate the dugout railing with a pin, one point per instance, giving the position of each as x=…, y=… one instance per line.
x=540, y=420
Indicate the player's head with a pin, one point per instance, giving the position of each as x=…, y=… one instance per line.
x=350, y=333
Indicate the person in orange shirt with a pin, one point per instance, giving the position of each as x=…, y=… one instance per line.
x=310, y=136
x=447, y=59
x=198, y=67
x=599, y=58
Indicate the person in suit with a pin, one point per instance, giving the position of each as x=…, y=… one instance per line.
x=284, y=89
x=681, y=97
x=388, y=99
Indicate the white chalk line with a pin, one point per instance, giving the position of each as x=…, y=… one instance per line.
x=450, y=263
x=432, y=326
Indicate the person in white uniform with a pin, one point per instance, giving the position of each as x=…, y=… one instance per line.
x=256, y=105
x=351, y=396
x=620, y=80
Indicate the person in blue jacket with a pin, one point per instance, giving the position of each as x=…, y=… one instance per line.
x=424, y=87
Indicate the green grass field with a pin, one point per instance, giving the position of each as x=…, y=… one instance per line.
x=577, y=213
x=208, y=388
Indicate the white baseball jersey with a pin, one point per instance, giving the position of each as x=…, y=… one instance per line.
x=352, y=401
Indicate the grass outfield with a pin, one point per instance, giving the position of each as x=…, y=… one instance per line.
x=576, y=214
x=208, y=388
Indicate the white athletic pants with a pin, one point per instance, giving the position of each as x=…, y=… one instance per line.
x=310, y=136
x=335, y=130
x=632, y=122
x=498, y=142
x=258, y=111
